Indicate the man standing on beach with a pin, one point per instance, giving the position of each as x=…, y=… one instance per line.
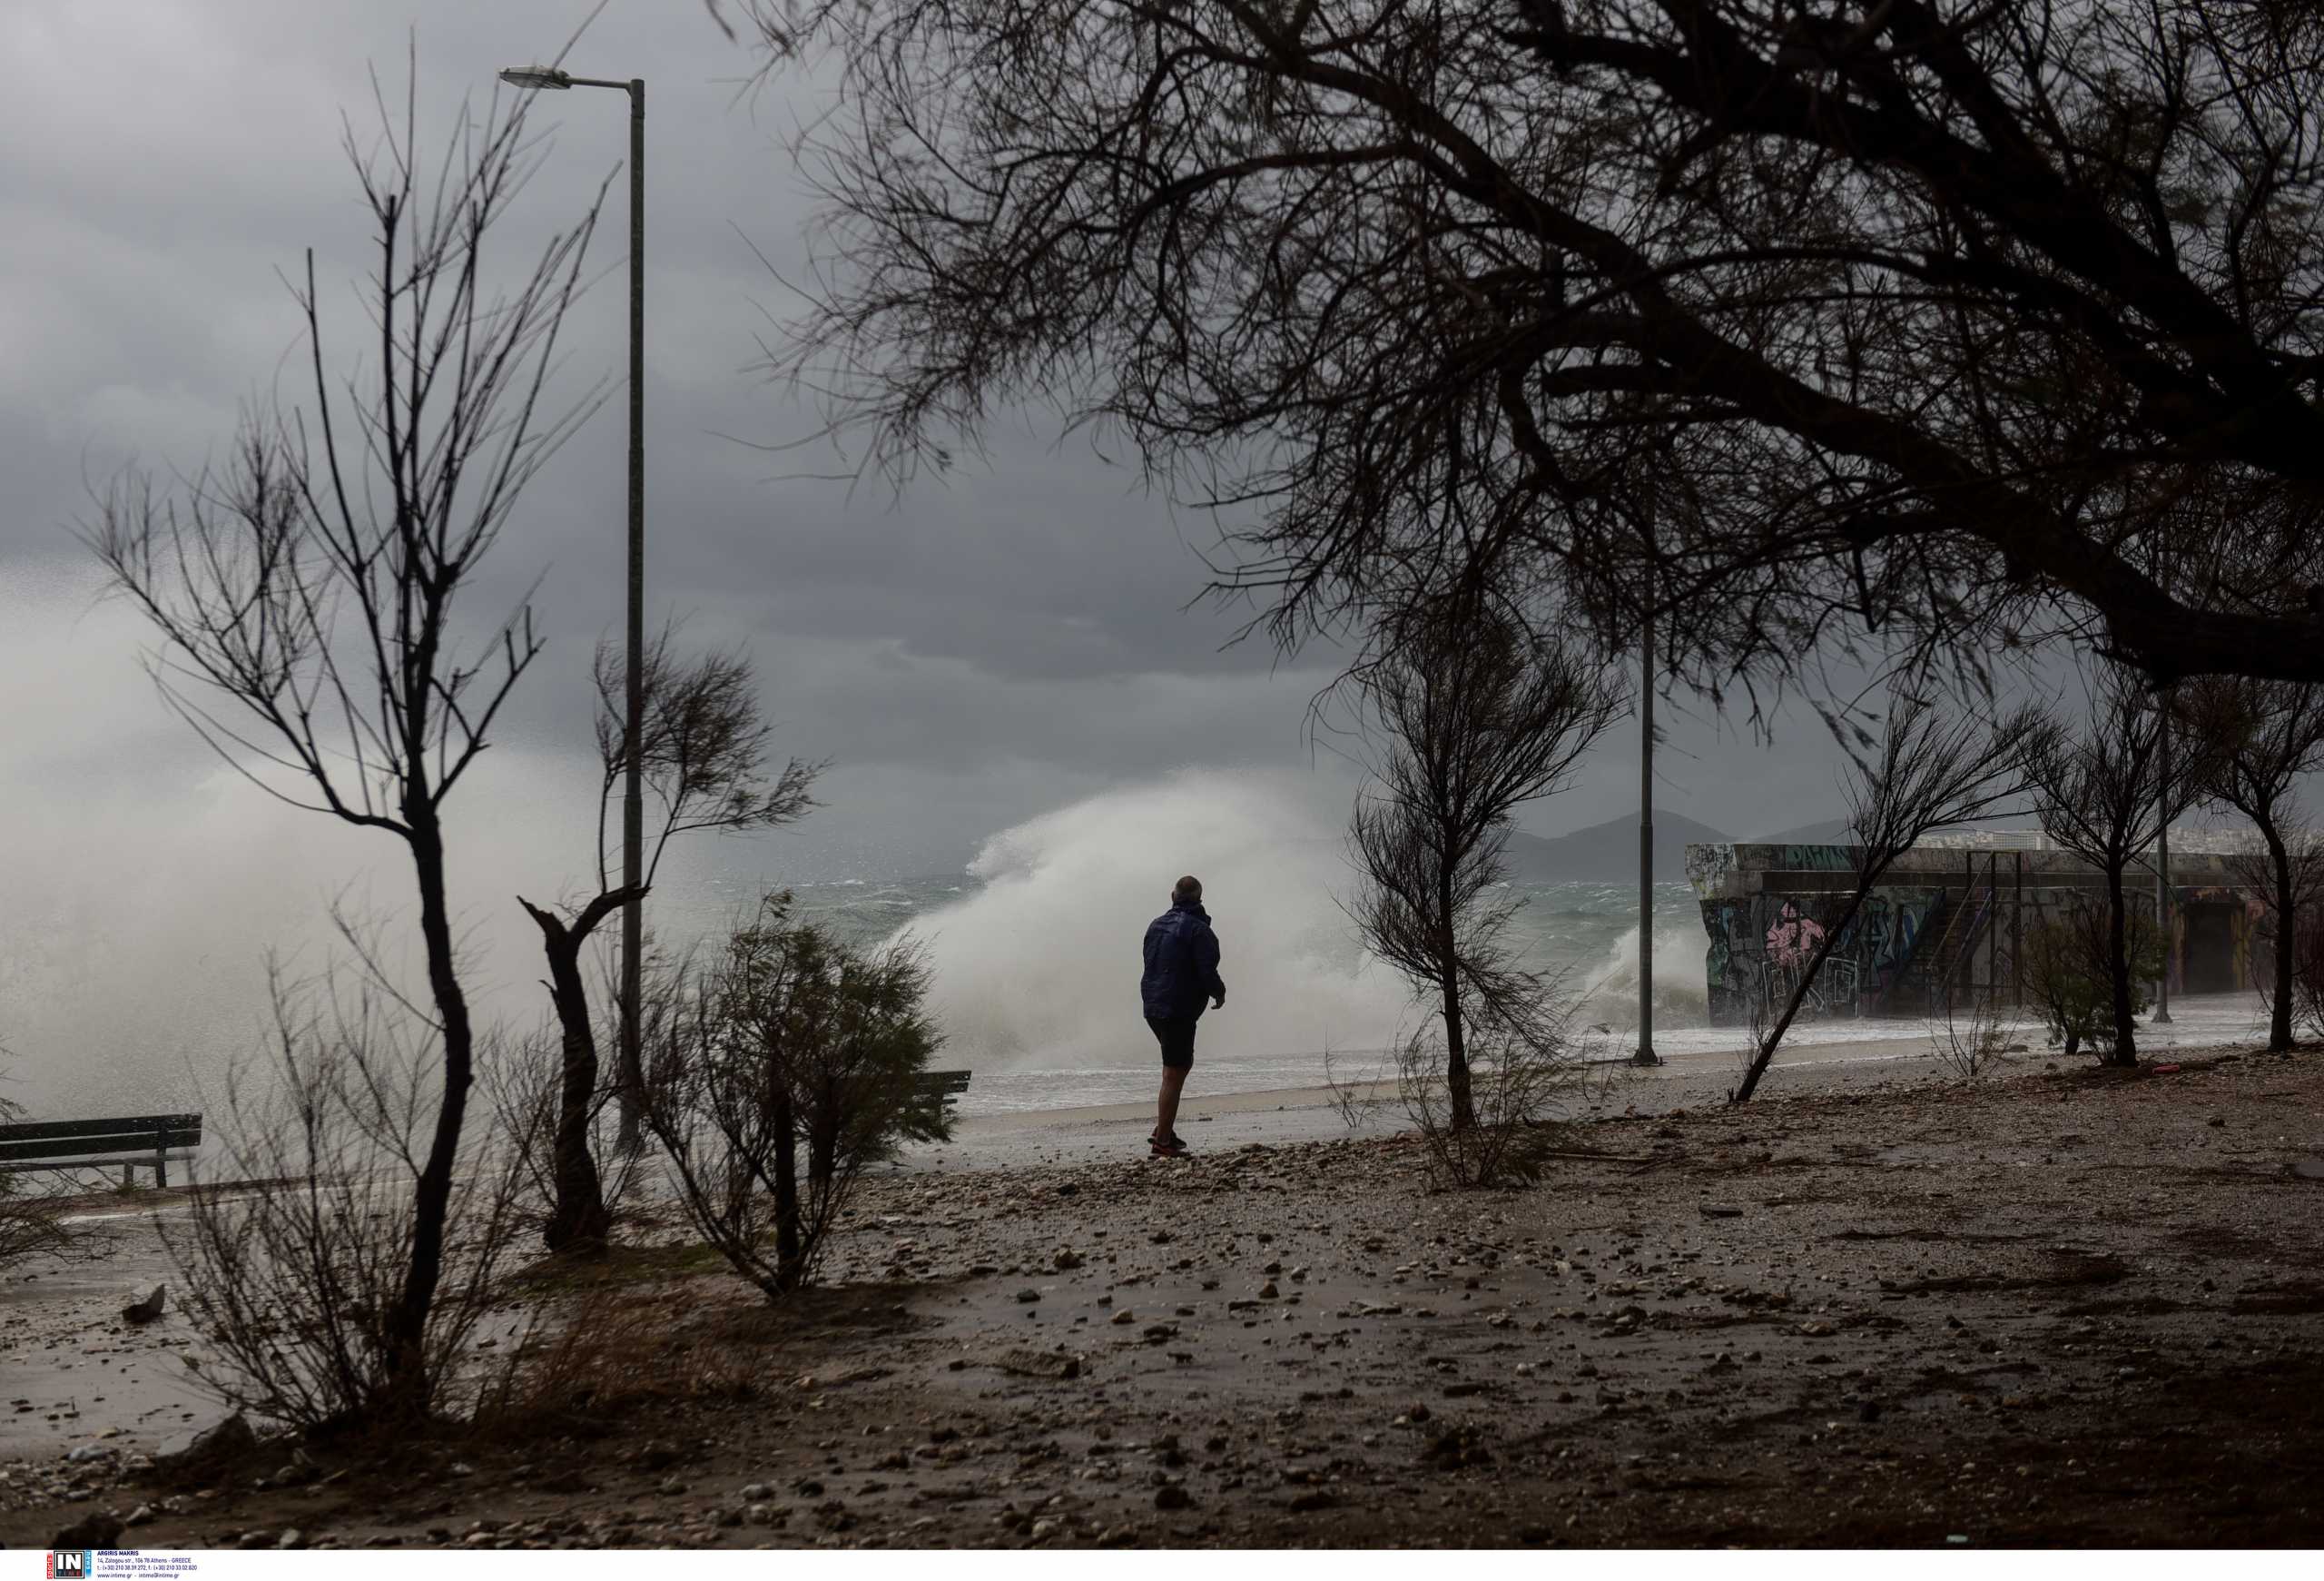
x=1181, y=972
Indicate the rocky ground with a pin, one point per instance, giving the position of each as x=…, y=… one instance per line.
x=2064, y=1307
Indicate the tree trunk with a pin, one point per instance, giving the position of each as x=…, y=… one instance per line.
x=822, y=1136
x=407, y=1325
x=1457, y=1057
x=1456, y=1047
x=2074, y=1041
x=787, y=1269
x=2279, y=1002
x=578, y=1221
x=1765, y=1054
x=2118, y=968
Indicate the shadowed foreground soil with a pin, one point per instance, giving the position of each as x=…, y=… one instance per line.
x=2066, y=1309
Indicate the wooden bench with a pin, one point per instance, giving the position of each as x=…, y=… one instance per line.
x=933, y=1090
x=943, y=1086
x=140, y=1141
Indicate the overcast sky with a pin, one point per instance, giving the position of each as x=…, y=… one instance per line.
x=982, y=649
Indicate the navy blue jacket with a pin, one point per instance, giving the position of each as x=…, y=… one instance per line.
x=1181, y=964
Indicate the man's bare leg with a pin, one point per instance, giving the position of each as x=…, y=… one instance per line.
x=1174, y=1081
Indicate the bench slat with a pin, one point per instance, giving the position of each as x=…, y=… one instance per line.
x=142, y=1160
x=44, y=1130
x=147, y=1142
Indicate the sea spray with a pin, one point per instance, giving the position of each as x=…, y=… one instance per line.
x=1038, y=967
x=146, y=884
x=1609, y=993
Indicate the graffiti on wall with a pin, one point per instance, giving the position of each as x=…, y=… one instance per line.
x=1817, y=858
x=1707, y=865
x=1793, y=939
x=1761, y=946
x=1880, y=964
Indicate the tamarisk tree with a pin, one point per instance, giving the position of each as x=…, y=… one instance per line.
x=2105, y=793
x=2263, y=736
x=704, y=756
x=1477, y=718
x=1926, y=772
x=1940, y=310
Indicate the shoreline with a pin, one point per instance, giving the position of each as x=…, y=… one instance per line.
x=1274, y=1116
x=1013, y=1093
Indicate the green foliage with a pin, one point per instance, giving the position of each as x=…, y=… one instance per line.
x=795, y=1048
x=2068, y=977
x=844, y=1028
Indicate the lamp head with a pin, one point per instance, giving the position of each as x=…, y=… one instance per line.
x=536, y=77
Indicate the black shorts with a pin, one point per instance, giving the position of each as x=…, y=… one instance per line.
x=1177, y=1035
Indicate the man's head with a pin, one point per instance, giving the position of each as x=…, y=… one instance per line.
x=1187, y=891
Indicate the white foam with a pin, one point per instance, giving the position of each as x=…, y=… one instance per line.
x=1040, y=966
x=1609, y=993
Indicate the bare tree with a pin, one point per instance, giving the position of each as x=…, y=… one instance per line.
x=295, y=1265
x=703, y=753
x=307, y=593
x=2263, y=738
x=2105, y=796
x=1927, y=773
x=1479, y=718
x=1950, y=307
x=793, y=1043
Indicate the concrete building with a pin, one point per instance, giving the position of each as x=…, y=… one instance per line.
x=1945, y=920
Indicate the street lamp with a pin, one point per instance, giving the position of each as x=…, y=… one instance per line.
x=1646, y=1054
x=632, y=809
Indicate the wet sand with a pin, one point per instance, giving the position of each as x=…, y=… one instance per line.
x=1688, y=1079
x=74, y=1370
x=2060, y=1306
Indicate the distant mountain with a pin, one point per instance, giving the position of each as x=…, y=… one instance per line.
x=1830, y=831
x=1606, y=853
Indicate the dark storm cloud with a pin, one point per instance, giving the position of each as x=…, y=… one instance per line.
x=1014, y=633
x=969, y=653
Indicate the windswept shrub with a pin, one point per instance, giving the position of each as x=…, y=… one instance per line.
x=776, y=1074
x=2069, y=980
x=1516, y=1081
x=296, y=1252
x=30, y=1223
x=1970, y=1040
x=2308, y=969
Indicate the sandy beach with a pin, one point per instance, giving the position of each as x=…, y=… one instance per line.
x=1871, y=1307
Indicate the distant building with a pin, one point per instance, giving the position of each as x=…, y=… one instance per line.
x=1943, y=924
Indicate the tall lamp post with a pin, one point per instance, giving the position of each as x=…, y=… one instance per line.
x=1646, y=1054
x=2162, y=866
x=632, y=804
